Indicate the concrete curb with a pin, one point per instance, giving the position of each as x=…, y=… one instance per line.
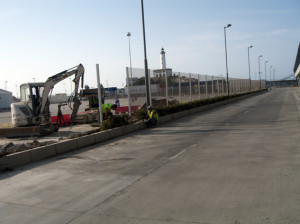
x=12, y=161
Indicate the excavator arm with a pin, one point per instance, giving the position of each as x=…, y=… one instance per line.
x=78, y=71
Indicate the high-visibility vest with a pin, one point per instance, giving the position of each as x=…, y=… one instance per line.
x=104, y=106
x=150, y=114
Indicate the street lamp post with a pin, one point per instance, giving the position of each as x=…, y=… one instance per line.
x=6, y=85
x=33, y=79
x=259, y=71
x=266, y=70
x=249, y=68
x=145, y=56
x=129, y=35
x=228, y=25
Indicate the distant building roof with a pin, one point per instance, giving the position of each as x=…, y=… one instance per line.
x=3, y=91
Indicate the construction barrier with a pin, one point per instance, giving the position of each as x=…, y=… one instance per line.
x=124, y=110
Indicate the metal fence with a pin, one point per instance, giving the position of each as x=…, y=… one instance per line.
x=167, y=87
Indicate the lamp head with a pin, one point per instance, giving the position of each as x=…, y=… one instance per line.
x=128, y=34
x=251, y=46
x=228, y=25
x=260, y=56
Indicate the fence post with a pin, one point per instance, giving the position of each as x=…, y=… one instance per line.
x=206, y=86
x=150, y=89
x=128, y=91
x=222, y=87
x=218, y=86
x=99, y=95
x=166, y=87
x=230, y=85
x=190, y=84
x=179, y=87
x=199, y=87
x=234, y=85
x=212, y=86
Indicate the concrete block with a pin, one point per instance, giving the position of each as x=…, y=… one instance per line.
x=139, y=125
x=116, y=132
x=101, y=136
x=173, y=116
x=164, y=119
x=43, y=152
x=86, y=141
x=129, y=128
x=18, y=159
x=3, y=163
x=181, y=114
x=66, y=146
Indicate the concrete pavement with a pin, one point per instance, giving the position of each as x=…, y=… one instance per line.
x=235, y=164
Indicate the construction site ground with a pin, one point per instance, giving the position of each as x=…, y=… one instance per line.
x=64, y=132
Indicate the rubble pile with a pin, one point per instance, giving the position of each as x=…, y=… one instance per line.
x=13, y=148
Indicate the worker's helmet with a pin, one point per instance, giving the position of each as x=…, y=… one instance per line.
x=114, y=106
x=150, y=107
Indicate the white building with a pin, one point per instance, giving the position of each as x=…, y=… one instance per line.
x=163, y=71
x=5, y=99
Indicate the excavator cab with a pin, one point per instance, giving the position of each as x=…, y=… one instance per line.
x=34, y=106
x=31, y=94
x=27, y=111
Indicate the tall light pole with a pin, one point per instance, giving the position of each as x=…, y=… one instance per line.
x=270, y=75
x=249, y=67
x=266, y=70
x=6, y=85
x=145, y=56
x=259, y=71
x=129, y=35
x=33, y=79
x=228, y=25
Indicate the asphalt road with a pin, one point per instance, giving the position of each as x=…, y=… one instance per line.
x=235, y=164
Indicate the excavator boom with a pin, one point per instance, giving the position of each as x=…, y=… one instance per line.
x=53, y=80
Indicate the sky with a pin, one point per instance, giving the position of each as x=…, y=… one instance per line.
x=40, y=38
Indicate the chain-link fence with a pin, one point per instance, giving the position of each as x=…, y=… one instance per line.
x=168, y=87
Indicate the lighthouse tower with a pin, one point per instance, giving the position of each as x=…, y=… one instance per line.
x=163, y=59
x=163, y=71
